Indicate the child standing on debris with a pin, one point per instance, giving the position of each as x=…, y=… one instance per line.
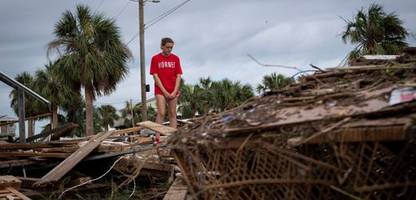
x=166, y=70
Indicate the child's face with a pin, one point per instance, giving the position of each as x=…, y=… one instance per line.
x=167, y=48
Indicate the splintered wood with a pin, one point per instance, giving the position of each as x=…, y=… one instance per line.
x=9, y=181
x=66, y=165
x=10, y=193
x=8, y=188
x=64, y=157
x=163, y=130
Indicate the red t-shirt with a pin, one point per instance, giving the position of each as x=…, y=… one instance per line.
x=167, y=68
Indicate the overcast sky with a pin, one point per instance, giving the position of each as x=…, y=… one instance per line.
x=212, y=37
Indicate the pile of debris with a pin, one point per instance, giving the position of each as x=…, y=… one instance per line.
x=9, y=186
x=61, y=168
x=339, y=133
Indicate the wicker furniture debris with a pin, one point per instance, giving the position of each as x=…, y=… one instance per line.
x=332, y=135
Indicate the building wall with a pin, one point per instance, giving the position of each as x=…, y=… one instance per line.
x=8, y=130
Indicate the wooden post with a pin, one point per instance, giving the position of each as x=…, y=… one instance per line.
x=21, y=105
x=132, y=113
x=142, y=63
x=30, y=128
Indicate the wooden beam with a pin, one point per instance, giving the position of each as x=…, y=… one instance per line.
x=33, y=154
x=163, y=130
x=177, y=191
x=13, y=146
x=58, y=149
x=16, y=163
x=65, y=166
x=18, y=194
x=127, y=130
x=9, y=181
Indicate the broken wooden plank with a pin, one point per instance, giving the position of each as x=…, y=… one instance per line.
x=16, y=195
x=65, y=166
x=16, y=163
x=137, y=139
x=13, y=146
x=31, y=193
x=33, y=154
x=163, y=130
x=109, y=146
x=9, y=181
x=177, y=191
x=58, y=149
x=127, y=130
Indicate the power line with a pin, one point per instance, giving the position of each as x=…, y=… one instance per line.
x=158, y=18
x=99, y=5
x=167, y=13
x=132, y=38
x=122, y=10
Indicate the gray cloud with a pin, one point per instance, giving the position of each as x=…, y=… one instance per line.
x=212, y=37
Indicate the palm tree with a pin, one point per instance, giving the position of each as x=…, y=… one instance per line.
x=50, y=85
x=32, y=106
x=191, y=100
x=151, y=113
x=128, y=114
x=229, y=94
x=212, y=96
x=375, y=32
x=244, y=93
x=91, y=55
x=273, y=82
x=205, y=92
x=107, y=115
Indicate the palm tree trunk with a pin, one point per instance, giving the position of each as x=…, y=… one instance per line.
x=89, y=129
x=30, y=128
x=54, y=116
x=206, y=109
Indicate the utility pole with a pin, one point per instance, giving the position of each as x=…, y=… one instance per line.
x=21, y=104
x=132, y=113
x=142, y=61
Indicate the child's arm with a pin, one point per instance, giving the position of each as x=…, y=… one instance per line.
x=160, y=85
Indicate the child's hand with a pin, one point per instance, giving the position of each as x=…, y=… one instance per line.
x=172, y=95
x=167, y=95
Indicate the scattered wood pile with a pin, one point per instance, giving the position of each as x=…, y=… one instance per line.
x=340, y=133
x=9, y=186
x=63, y=168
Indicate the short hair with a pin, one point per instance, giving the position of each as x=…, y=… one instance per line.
x=165, y=40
